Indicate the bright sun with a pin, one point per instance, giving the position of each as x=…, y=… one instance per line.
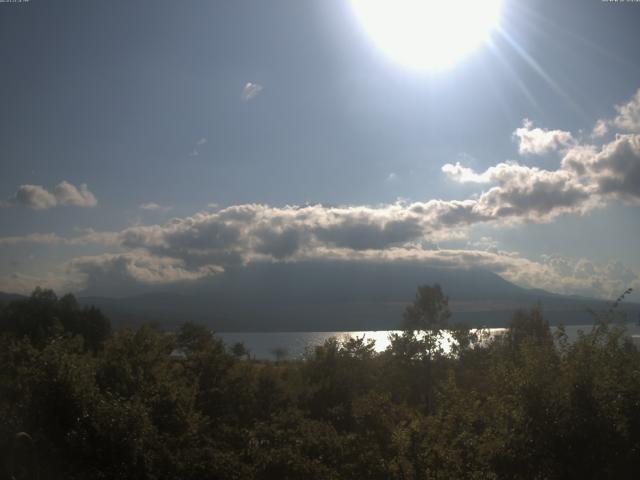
x=428, y=34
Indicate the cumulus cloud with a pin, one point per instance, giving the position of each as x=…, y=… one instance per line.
x=600, y=129
x=65, y=193
x=238, y=233
x=628, y=118
x=538, y=141
x=614, y=169
x=136, y=266
x=209, y=242
x=33, y=196
x=68, y=194
x=525, y=193
x=530, y=193
x=462, y=174
x=587, y=177
x=250, y=91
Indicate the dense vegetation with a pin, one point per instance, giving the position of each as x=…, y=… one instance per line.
x=78, y=401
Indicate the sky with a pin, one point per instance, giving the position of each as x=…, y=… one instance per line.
x=157, y=143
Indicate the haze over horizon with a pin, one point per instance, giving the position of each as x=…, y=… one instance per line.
x=157, y=144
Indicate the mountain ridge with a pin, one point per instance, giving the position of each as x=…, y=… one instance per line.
x=334, y=296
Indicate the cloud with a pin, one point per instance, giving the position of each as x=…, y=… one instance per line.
x=65, y=194
x=154, y=207
x=193, y=247
x=626, y=120
x=250, y=91
x=196, y=149
x=614, y=169
x=600, y=129
x=533, y=194
x=68, y=194
x=34, y=196
x=87, y=238
x=554, y=273
x=37, y=238
x=588, y=177
x=25, y=284
x=462, y=174
x=538, y=141
x=209, y=242
x=206, y=243
x=136, y=266
x=485, y=243
x=124, y=272
x=525, y=193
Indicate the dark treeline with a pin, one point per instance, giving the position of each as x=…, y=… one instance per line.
x=80, y=401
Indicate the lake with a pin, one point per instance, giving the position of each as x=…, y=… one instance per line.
x=262, y=344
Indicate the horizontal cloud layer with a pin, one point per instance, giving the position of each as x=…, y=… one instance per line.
x=190, y=248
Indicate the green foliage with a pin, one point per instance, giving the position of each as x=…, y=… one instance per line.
x=44, y=316
x=239, y=350
x=430, y=310
x=525, y=405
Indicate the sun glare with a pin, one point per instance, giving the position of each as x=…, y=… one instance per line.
x=428, y=34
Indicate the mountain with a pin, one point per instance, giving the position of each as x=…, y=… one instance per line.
x=339, y=296
x=9, y=297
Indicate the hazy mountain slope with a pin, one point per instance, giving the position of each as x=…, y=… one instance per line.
x=9, y=297
x=339, y=296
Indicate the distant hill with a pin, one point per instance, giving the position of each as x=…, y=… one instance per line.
x=340, y=296
x=9, y=297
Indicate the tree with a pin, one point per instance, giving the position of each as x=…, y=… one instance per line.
x=429, y=311
x=530, y=326
x=193, y=337
x=422, y=340
x=280, y=353
x=239, y=350
x=44, y=316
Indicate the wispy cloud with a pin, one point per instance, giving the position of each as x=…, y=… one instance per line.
x=88, y=237
x=154, y=207
x=196, y=148
x=250, y=91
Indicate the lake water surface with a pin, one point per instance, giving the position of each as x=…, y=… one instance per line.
x=262, y=344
